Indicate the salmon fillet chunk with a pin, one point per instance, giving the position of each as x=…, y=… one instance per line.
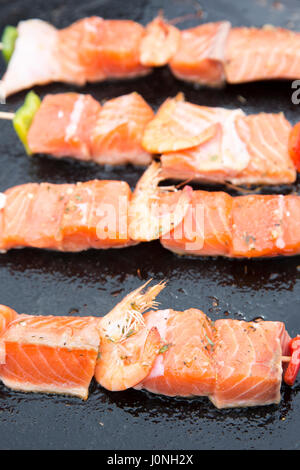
x=185, y=366
x=50, y=354
x=201, y=53
x=248, y=362
x=216, y=224
x=67, y=217
x=266, y=137
x=206, y=228
x=96, y=216
x=265, y=226
x=117, y=133
x=93, y=49
x=262, y=54
x=63, y=125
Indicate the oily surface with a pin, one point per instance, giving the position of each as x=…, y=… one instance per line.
x=91, y=283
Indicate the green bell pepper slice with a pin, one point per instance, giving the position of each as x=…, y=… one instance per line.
x=24, y=117
x=8, y=41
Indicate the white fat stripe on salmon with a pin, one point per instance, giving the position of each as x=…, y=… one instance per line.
x=2, y=352
x=92, y=207
x=282, y=141
x=218, y=47
x=234, y=152
x=278, y=233
x=84, y=208
x=33, y=61
x=2, y=200
x=273, y=60
x=75, y=118
x=259, y=63
x=83, y=373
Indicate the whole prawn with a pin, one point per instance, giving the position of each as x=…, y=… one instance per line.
x=128, y=348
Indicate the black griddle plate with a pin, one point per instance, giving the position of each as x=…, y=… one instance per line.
x=91, y=283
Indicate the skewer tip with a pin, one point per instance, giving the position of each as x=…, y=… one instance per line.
x=6, y=115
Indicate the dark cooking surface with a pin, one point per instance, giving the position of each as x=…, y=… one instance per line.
x=92, y=283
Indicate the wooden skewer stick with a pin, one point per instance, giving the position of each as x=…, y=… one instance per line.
x=6, y=115
x=1, y=46
x=285, y=358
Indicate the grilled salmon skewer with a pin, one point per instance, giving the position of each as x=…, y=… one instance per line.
x=93, y=49
x=196, y=142
x=217, y=224
x=76, y=125
x=104, y=214
x=234, y=363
